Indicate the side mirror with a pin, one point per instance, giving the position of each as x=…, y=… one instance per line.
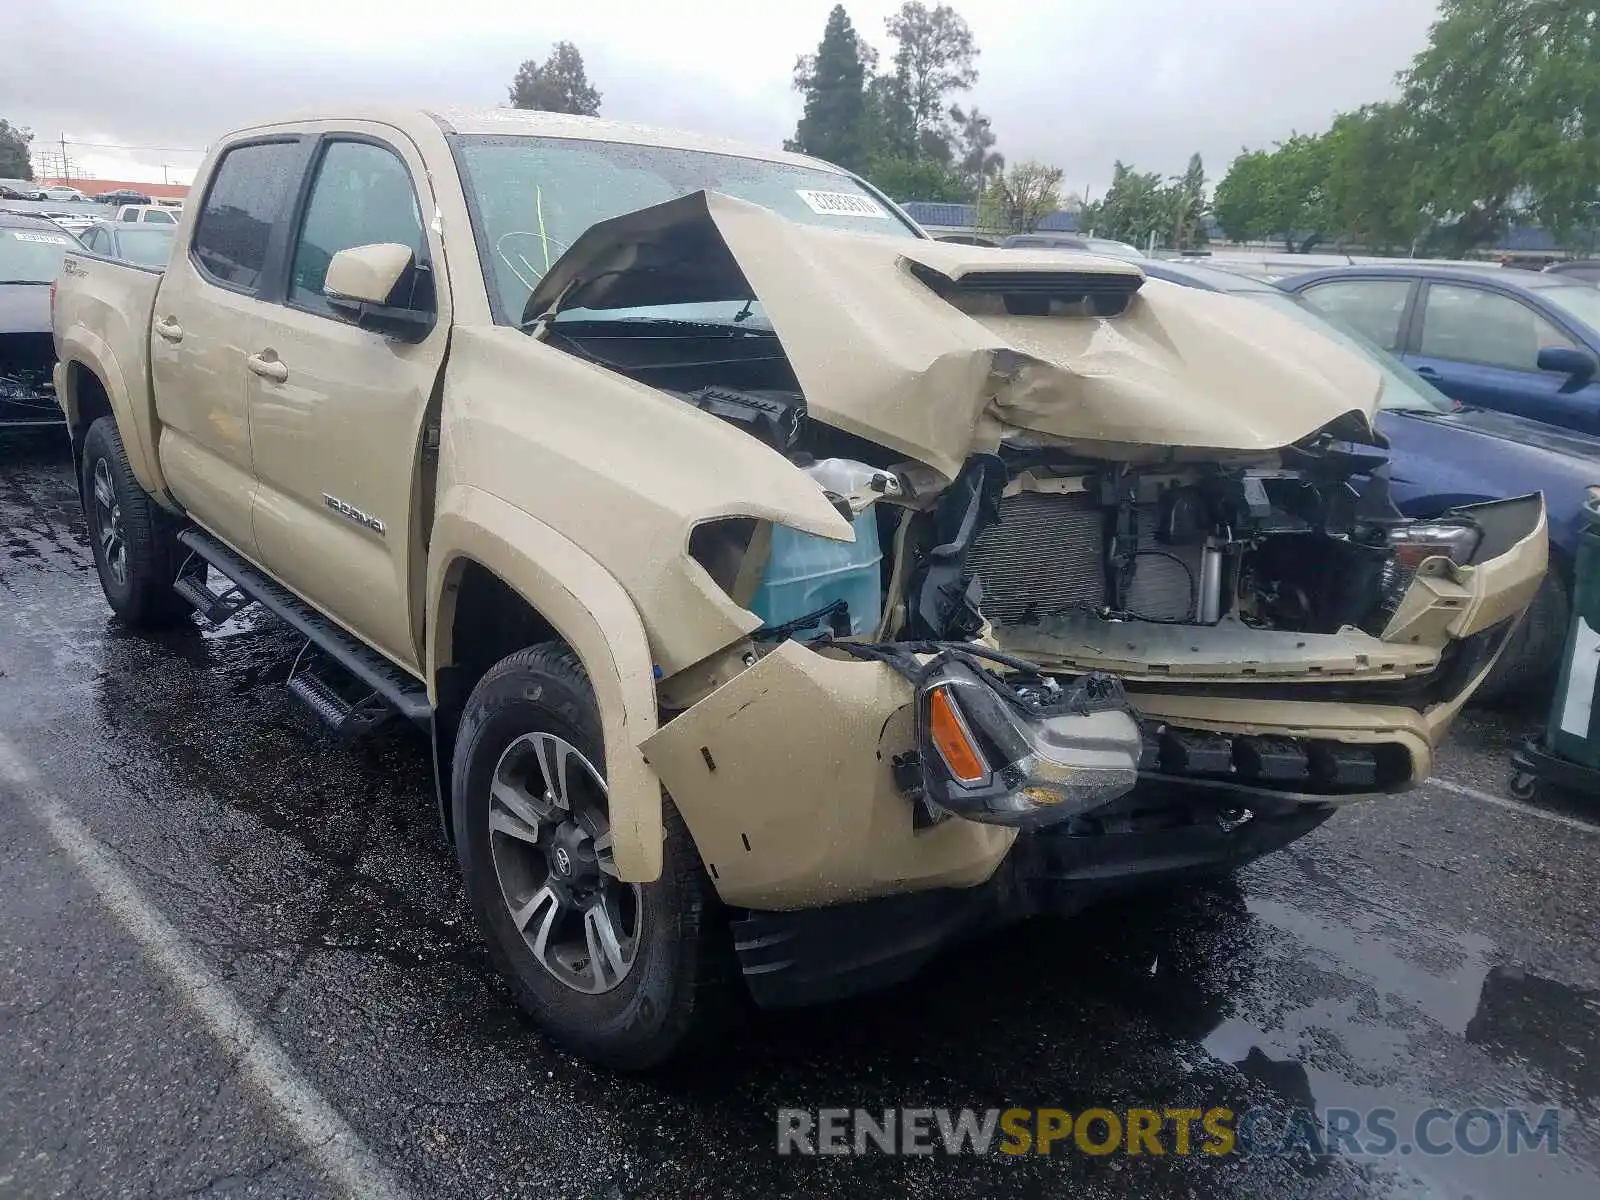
x=372, y=286
x=1564, y=360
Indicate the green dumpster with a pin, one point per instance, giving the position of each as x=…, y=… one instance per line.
x=1573, y=731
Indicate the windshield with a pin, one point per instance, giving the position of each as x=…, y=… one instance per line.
x=1403, y=389
x=532, y=198
x=149, y=247
x=1578, y=302
x=32, y=255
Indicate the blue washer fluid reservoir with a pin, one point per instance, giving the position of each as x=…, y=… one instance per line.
x=806, y=573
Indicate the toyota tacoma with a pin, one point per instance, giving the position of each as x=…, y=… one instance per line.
x=777, y=586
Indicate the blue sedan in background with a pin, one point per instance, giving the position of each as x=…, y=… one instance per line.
x=1522, y=342
x=1442, y=454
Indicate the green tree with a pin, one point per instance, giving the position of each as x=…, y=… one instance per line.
x=834, y=82
x=559, y=84
x=1277, y=193
x=1187, y=201
x=935, y=54
x=977, y=159
x=1020, y=197
x=15, y=159
x=917, y=179
x=1371, y=188
x=1505, y=102
x=891, y=128
x=1134, y=206
x=1241, y=202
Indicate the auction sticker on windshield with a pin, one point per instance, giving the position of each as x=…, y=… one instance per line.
x=840, y=204
x=50, y=239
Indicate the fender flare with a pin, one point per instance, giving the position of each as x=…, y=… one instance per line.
x=90, y=353
x=592, y=613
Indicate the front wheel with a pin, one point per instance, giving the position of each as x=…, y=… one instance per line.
x=623, y=973
x=1527, y=668
x=135, y=542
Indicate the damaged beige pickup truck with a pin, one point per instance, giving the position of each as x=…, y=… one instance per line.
x=784, y=592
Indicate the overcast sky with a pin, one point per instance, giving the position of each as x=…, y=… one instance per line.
x=1078, y=83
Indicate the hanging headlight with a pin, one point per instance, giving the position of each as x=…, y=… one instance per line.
x=1420, y=540
x=999, y=759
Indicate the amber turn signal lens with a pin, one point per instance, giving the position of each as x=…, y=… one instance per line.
x=952, y=739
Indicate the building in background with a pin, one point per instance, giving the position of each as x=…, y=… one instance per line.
x=162, y=193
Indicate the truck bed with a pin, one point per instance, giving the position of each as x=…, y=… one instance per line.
x=103, y=314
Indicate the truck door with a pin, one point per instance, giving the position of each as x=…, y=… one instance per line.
x=204, y=326
x=337, y=411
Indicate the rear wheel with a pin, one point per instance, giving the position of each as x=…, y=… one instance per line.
x=135, y=541
x=623, y=973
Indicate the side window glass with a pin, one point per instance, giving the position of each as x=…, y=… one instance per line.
x=1468, y=324
x=1371, y=307
x=129, y=214
x=249, y=193
x=362, y=194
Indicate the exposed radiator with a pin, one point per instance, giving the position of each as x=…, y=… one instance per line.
x=1046, y=555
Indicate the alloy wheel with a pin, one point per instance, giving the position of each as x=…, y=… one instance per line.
x=551, y=844
x=108, y=523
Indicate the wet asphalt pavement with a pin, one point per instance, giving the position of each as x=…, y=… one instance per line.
x=1432, y=949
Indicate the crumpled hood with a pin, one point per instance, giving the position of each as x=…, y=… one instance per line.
x=880, y=351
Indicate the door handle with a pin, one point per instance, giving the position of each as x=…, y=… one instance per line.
x=1427, y=372
x=169, y=329
x=268, y=368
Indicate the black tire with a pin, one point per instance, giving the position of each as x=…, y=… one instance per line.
x=1528, y=667
x=678, y=980
x=145, y=536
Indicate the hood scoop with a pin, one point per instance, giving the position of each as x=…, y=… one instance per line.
x=1029, y=291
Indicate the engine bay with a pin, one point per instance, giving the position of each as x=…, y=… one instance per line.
x=1031, y=534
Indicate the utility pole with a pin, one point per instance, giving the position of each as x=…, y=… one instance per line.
x=66, y=169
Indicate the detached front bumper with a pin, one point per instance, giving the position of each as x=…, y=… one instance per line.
x=1156, y=833
x=785, y=775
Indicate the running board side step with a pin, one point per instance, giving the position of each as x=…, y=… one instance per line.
x=384, y=682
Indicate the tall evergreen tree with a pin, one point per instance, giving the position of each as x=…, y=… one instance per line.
x=834, y=81
x=559, y=84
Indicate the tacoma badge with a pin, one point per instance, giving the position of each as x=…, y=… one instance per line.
x=353, y=513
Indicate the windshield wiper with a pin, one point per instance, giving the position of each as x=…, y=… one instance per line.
x=723, y=327
x=27, y=282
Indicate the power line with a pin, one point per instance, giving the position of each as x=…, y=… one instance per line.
x=123, y=146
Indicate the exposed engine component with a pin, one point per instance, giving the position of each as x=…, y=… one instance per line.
x=769, y=415
x=1307, y=548
x=945, y=595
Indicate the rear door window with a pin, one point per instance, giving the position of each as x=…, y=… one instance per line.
x=249, y=197
x=1373, y=308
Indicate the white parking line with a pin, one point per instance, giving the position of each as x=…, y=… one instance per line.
x=327, y=1138
x=1516, y=806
